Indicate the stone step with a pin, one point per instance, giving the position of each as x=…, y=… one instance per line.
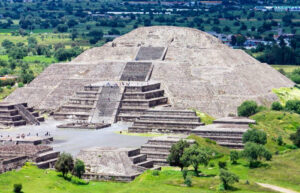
x=47, y=164
x=127, y=117
x=130, y=110
x=167, y=124
x=41, y=119
x=144, y=102
x=13, y=123
x=11, y=112
x=87, y=94
x=134, y=152
x=82, y=101
x=141, y=129
x=76, y=108
x=227, y=139
x=145, y=164
x=156, y=155
x=169, y=118
x=231, y=145
x=170, y=112
x=138, y=158
x=10, y=118
x=71, y=115
x=167, y=142
x=160, y=162
x=91, y=88
x=47, y=156
x=142, y=88
x=144, y=95
x=154, y=147
x=212, y=133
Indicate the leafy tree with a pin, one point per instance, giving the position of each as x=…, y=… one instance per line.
x=17, y=52
x=228, y=178
x=188, y=181
x=279, y=140
x=95, y=35
x=18, y=188
x=7, y=44
x=234, y=156
x=222, y=164
x=256, y=136
x=64, y=164
x=247, y=108
x=240, y=40
x=176, y=153
x=79, y=168
x=194, y=155
x=255, y=152
x=293, y=106
x=276, y=106
x=62, y=28
x=295, y=137
x=31, y=41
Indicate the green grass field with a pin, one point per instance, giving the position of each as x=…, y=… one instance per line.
x=286, y=68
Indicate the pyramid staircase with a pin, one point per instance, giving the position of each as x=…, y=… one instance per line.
x=166, y=121
x=140, y=160
x=158, y=149
x=18, y=114
x=139, y=98
x=47, y=158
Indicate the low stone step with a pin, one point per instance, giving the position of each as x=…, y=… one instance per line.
x=144, y=102
x=134, y=152
x=138, y=158
x=144, y=95
x=167, y=124
x=8, y=112
x=156, y=155
x=71, y=115
x=13, y=123
x=145, y=164
x=154, y=147
x=159, y=162
x=82, y=101
x=47, y=156
x=10, y=118
x=91, y=88
x=170, y=112
x=231, y=145
x=40, y=119
x=167, y=142
x=218, y=133
x=142, y=129
x=142, y=88
x=76, y=108
x=47, y=164
x=169, y=118
x=228, y=139
x=127, y=117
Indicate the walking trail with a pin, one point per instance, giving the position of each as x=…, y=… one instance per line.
x=277, y=188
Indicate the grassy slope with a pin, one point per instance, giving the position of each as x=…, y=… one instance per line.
x=285, y=94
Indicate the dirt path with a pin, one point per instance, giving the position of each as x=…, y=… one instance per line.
x=276, y=188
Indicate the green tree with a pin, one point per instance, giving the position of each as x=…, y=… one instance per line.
x=7, y=44
x=176, y=153
x=228, y=178
x=64, y=164
x=255, y=153
x=194, y=155
x=18, y=188
x=234, y=156
x=293, y=106
x=79, y=168
x=276, y=106
x=295, y=137
x=256, y=136
x=247, y=108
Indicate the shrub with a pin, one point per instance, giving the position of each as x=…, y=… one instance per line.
x=279, y=140
x=227, y=178
x=64, y=164
x=8, y=87
x=184, y=173
x=276, y=106
x=79, y=168
x=18, y=188
x=295, y=137
x=234, y=156
x=256, y=136
x=20, y=84
x=293, y=106
x=254, y=152
x=247, y=108
x=155, y=173
x=1, y=89
x=188, y=181
x=222, y=165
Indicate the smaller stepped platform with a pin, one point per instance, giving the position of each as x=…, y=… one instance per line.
x=227, y=131
x=119, y=164
x=158, y=149
x=139, y=97
x=34, y=140
x=47, y=159
x=18, y=114
x=83, y=125
x=166, y=121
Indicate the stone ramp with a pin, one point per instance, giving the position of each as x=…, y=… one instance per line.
x=29, y=118
x=107, y=105
x=137, y=71
x=150, y=53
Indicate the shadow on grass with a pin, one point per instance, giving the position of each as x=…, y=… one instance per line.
x=73, y=179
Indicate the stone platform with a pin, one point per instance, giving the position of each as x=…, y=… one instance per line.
x=83, y=125
x=34, y=140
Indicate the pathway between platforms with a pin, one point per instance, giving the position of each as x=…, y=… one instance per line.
x=276, y=188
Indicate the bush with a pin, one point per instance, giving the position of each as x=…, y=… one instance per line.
x=247, y=108
x=8, y=87
x=256, y=136
x=276, y=106
x=155, y=173
x=254, y=152
x=188, y=181
x=293, y=106
x=279, y=140
x=184, y=173
x=222, y=165
x=20, y=84
x=234, y=156
x=295, y=137
x=227, y=178
x=64, y=164
x=79, y=168
x=18, y=188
